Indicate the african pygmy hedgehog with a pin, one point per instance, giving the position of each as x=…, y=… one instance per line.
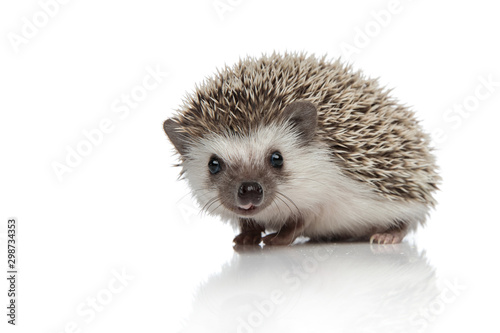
x=304, y=147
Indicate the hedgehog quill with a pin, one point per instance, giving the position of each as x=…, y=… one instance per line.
x=295, y=145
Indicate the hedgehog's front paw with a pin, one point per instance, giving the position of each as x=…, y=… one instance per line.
x=278, y=238
x=287, y=234
x=252, y=237
x=390, y=237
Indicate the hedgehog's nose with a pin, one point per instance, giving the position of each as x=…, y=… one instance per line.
x=249, y=194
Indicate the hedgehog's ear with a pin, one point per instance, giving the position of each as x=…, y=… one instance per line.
x=304, y=117
x=179, y=139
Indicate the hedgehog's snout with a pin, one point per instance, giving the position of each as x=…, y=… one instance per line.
x=250, y=195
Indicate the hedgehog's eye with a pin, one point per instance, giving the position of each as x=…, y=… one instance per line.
x=276, y=159
x=214, y=165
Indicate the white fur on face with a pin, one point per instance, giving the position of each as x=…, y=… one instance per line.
x=316, y=188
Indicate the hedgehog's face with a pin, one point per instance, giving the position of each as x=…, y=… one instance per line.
x=241, y=174
x=245, y=186
x=250, y=175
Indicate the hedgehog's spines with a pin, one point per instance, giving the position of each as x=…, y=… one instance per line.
x=376, y=139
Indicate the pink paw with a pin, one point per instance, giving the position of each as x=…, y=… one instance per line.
x=386, y=238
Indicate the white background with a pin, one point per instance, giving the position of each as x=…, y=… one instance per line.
x=121, y=208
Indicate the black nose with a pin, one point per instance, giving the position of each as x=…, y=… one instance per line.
x=250, y=193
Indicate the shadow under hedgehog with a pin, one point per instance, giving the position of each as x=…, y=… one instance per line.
x=301, y=146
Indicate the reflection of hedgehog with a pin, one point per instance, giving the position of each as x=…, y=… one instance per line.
x=346, y=287
x=304, y=146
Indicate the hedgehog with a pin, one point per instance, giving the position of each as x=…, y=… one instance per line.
x=289, y=145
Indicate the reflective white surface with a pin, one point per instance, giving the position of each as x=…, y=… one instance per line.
x=310, y=287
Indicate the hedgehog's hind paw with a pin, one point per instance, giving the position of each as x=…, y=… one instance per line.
x=388, y=237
